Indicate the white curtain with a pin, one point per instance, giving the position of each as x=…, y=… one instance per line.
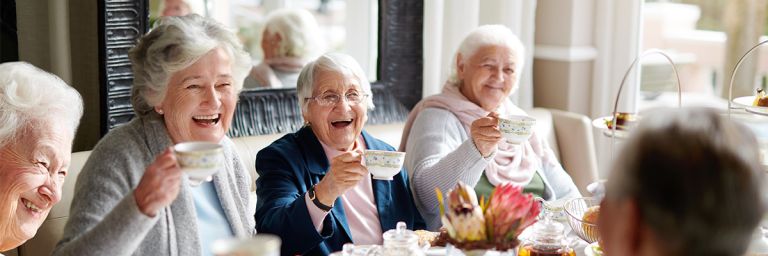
x=446, y=23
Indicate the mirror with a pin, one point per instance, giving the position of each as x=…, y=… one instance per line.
x=323, y=24
x=395, y=62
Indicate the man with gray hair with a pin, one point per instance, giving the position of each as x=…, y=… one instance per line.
x=687, y=183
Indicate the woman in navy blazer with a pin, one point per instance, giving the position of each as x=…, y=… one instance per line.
x=313, y=189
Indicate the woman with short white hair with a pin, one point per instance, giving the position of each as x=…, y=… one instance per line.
x=454, y=136
x=39, y=114
x=131, y=197
x=313, y=189
x=290, y=39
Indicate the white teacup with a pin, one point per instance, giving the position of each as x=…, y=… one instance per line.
x=259, y=245
x=199, y=159
x=384, y=164
x=516, y=129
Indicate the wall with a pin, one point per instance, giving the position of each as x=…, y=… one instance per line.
x=59, y=36
x=85, y=69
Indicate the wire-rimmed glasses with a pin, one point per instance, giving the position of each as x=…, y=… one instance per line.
x=330, y=99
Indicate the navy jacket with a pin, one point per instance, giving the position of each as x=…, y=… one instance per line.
x=294, y=163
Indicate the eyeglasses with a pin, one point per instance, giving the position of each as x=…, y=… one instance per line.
x=330, y=99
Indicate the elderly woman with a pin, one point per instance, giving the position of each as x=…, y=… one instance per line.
x=131, y=197
x=314, y=190
x=289, y=40
x=688, y=182
x=40, y=114
x=454, y=136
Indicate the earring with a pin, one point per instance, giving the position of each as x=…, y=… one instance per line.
x=159, y=111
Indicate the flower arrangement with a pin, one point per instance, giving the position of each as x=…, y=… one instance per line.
x=489, y=224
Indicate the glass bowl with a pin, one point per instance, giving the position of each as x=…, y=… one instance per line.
x=575, y=210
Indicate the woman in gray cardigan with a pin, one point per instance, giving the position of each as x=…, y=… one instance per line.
x=131, y=197
x=454, y=136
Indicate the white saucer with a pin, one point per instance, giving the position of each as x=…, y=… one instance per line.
x=599, y=123
x=757, y=110
x=742, y=102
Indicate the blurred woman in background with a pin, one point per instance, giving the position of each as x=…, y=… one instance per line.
x=290, y=39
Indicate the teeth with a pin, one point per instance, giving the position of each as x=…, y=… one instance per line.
x=208, y=117
x=343, y=120
x=31, y=206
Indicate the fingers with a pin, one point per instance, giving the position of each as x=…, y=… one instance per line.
x=351, y=156
x=160, y=184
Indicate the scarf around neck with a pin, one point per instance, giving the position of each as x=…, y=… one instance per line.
x=515, y=164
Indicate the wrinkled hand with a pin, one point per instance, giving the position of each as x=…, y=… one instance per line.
x=346, y=171
x=486, y=134
x=160, y=184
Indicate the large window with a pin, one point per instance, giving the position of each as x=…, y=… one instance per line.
x=705, y=38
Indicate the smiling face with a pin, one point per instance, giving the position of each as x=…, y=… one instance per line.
x=337, y=125
x=488, y=76
x=200, y=100
x=32, y=172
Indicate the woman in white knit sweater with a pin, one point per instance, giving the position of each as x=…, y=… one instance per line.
x=454, y=136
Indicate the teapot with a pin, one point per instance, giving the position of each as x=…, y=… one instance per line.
x=546, y=239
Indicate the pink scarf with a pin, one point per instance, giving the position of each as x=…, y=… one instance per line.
x=512, y=163
x=264, y=73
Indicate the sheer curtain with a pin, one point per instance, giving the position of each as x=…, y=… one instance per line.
x=446, y=23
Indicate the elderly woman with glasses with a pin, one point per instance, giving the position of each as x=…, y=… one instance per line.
x=314, y=190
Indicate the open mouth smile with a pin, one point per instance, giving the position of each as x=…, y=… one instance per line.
x=342, y=123
x=207, y=119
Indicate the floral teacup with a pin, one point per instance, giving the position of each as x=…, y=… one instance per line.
x=384, y=164
x=199, y=159
x=516, y=129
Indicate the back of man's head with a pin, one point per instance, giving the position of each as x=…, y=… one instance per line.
x=696, y=179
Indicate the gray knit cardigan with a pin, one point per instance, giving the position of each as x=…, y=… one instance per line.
x=104, y=218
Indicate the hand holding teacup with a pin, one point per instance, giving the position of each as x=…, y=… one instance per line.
x=485, y=133
x=345, y=172
x=159, y=185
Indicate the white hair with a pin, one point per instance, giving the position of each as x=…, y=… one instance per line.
x=29, y=95
x=489, y=35
x=298, y=31
x=331, y=62
x=174, y=44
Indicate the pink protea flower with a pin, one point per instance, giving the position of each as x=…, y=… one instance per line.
x=494, y=223
x=509, y=212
